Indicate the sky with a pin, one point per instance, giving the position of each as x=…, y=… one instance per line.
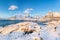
x=9, y=8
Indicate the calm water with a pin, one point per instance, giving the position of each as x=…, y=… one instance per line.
x=8, y=22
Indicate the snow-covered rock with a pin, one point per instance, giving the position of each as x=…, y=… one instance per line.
x=24, y=27
x=31, y=31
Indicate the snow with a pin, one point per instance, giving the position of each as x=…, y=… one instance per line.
x=22, y=31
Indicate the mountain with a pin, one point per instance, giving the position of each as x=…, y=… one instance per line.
x=54, y=14
x=16, y=17
x=20, y=17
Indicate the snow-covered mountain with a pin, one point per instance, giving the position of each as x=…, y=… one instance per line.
x=55, y=15
x=19, y=17
x=16, y=17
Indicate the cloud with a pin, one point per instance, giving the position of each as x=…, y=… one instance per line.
x=13, y=7
x=28, y=10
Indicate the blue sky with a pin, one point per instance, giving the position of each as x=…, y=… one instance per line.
x=9, y=8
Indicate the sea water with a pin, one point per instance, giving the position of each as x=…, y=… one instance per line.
x=9, y=22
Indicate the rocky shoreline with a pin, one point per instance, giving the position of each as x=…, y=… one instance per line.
x=31, y=30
